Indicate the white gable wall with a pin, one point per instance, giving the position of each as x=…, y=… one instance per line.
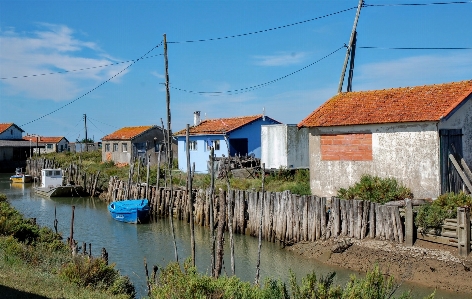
x=408, y=152
x=12, y=133
x=462, y=119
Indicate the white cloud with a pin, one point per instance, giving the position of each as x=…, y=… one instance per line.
x=38, y=58
x=415, y=70
x=280, y=59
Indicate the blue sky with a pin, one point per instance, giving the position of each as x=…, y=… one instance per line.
x=85, y=49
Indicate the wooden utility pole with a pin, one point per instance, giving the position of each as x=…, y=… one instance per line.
x=349, y=47
x=169, y=149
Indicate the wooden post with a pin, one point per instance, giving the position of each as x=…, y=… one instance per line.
x=212, y=225
x=190, y=195
x=463, y=231
x=72, y=227
x=256, y=282
x=220, y=234
x=231, y=195
x=147, y=175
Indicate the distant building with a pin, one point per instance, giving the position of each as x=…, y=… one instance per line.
x=51, y=144
x=14, y=150
x=130, y=143
x=229, y=137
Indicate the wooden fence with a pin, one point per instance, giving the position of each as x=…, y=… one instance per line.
x=286, y=217
x=73, y=174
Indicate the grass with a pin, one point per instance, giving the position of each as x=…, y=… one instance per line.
x=36, y=263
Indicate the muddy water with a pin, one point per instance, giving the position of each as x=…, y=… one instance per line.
x=128, y=245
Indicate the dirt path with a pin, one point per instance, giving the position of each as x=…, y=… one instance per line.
x=426, y=263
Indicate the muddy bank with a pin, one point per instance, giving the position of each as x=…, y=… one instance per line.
x=429, y=264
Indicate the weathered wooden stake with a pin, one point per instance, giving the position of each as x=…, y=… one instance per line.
x=463, y=231
x=212, y=225
x=260, y=227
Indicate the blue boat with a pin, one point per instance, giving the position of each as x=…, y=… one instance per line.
x=130, y=211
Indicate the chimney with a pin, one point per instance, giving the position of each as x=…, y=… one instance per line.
x=196, y=118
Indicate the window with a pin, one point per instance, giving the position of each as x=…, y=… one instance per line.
x=124, y=147
x=115, y=147
x=192, y=145
x=214, y=143
x=107, y=147
x=49, y=146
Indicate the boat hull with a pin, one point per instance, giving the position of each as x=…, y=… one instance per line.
x=61, y=191
x=21, y=178
x=130, y=211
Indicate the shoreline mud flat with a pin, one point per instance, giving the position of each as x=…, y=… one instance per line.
x=426, y=263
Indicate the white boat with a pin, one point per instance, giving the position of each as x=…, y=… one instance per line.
x=52, y=185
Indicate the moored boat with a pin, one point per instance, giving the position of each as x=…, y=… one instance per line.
x=130, y=211
x=52, y=185
x=20, y=177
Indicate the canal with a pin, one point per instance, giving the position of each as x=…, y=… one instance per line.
x=128, y=245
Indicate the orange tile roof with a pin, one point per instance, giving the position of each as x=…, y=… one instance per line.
x=6, y=126
x=43, y=139
x=127, y=133
x=219, y=125
x=407, y=104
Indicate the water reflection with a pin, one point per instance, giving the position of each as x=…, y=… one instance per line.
x=128, y=244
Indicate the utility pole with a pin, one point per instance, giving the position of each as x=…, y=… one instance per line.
x=85, y=125
x=169, y=148
x=169, y=132
x=349, y=47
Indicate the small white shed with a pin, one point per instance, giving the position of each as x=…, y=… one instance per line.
x=284, y=146
x=51, y=178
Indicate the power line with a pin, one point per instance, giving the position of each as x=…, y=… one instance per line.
x=419, y=4
x=264, y=30
x=414, y=48
x=251, y=88
x=102, y=122
x=83, y=69
x=90, y=91
x=95, y=126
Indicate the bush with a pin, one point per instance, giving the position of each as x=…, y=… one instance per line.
x=95, y=273
x=432, y=215
x=376, y=189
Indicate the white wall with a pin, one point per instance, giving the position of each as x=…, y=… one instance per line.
x=284, y=146
x=408, y=152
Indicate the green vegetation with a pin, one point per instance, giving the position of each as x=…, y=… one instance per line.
x=432, y=215
x=34, y=260
x=376, y=189
x=174, y=282
x=296, y=181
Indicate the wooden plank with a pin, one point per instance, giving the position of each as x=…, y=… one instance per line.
x=372, y=220
x=461, y=173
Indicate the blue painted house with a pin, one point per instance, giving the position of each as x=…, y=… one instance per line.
x=229, y=137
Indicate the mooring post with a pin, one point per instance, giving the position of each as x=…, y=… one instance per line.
x=409, y=226
x=463, y=231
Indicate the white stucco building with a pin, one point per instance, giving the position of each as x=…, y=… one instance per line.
x=404, y=133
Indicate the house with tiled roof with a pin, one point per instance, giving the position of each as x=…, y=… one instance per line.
x=130, y=143
x=50, y=144
x=412, y=134
x=13, y=149
x=228, y=136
